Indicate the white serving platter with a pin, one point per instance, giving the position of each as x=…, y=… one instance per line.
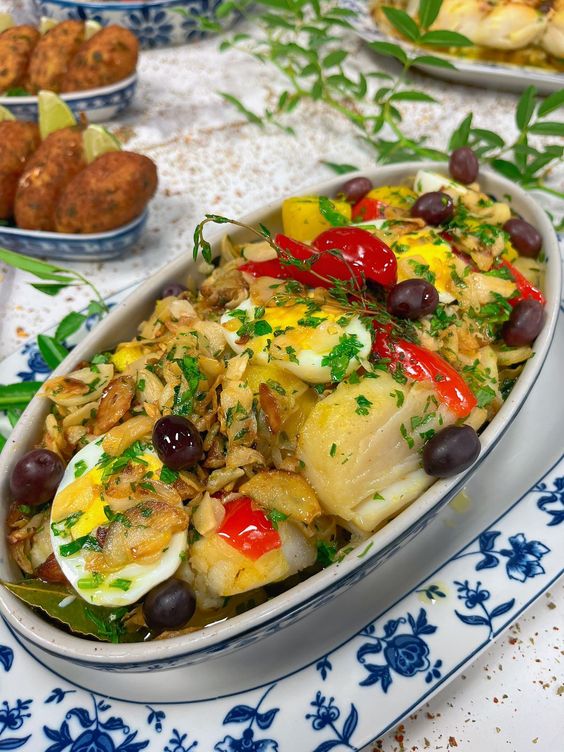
x=474, y=72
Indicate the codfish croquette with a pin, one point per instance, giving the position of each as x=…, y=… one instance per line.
x=53, y=54
x=18, y=141
x=55, y=163
x=16, y=46
x=109, y=193
x=109, y=56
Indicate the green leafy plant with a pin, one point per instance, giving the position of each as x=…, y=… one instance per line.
x=14, y=398
x=303, y=40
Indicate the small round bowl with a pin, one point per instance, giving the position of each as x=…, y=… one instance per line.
x=157, y=23
x=98, y=105
x=288, y=607
x=99, y=246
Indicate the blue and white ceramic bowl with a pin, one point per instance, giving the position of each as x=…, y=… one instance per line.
x=287, y=608
x=157, y=23
x=99, y=246
x=98, y=105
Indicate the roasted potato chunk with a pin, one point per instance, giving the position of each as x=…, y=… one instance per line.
x=109, y=56
x=109, y=193
x=16, y=46
x=52, y=55
x=18, y=141
x=55, y=163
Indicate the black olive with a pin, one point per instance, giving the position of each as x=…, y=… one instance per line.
x=450, y=451
x=355, y=189
x=434, y=207
x=169, y=605
x=412, y=299
x=463, y=165
x=524, y=237
x=525, y=323
x=177, y=442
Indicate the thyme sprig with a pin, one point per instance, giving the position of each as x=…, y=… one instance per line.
x=351, y=295
x=303, y=40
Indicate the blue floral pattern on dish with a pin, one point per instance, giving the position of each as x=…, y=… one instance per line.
x=476, y=598
x=157, y=24
x=178, y=743
x=151, y=27
x=552, y=502
x=247, y=742
x=406, y=654
x=523, y=558
x=12, y=718
x=325, y=716
x=97, y=735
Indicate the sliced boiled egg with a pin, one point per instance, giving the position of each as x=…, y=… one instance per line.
x=318, y=343
x=427, y=181
x=425, y=254
x=143, y=540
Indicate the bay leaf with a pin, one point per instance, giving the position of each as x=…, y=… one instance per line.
x=104, y=624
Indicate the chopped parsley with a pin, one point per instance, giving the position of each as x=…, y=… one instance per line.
x=116, y=516
x=341, y=355
x=406, y=437
x=276, y=516
x=333, y=450
x=88, y=542
x=60, y=527
x=167, y=475
x=326, y=553
x=423, y=271
x=363, y=405
x=441, y=320
x=399, y=396
x=121, y=583
x=80, y=468
x=291, y=352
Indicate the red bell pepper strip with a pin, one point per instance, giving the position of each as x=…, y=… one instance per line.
x=248, y=529
x=368, y=208
x=525, y=288
x=362, y=253
x=360, y=247
x=420, y=364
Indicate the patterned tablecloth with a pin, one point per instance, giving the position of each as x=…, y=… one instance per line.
x=209, y=159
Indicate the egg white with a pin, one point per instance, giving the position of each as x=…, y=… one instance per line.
x=308, y=366
x=142, y=577
x=427, y=181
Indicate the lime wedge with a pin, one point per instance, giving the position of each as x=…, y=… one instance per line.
x=5, y=114
x=54, y=114
x=97, y=141
x=91, y=28
x=46, y=24
x=6, y=21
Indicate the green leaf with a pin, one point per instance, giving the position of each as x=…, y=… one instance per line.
x=28, y=264
x=460, y=136
x=48, y=289
x=525, y=108
x=14, y=414
x=2, y=441
x=443, y=38
x=251, y=116
x=412, y=96
x=548, y=128
x=437, y=62
x=494, y=139
x=402, y=22
x=17, y=395
x=428, y=12
x=82, y=618
x=334, y=217
x=553, y=102
x=340, y=169
x=52, y=351
x=69, y=325
x=334, y=58
x=389, y=50
x=507, y=169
